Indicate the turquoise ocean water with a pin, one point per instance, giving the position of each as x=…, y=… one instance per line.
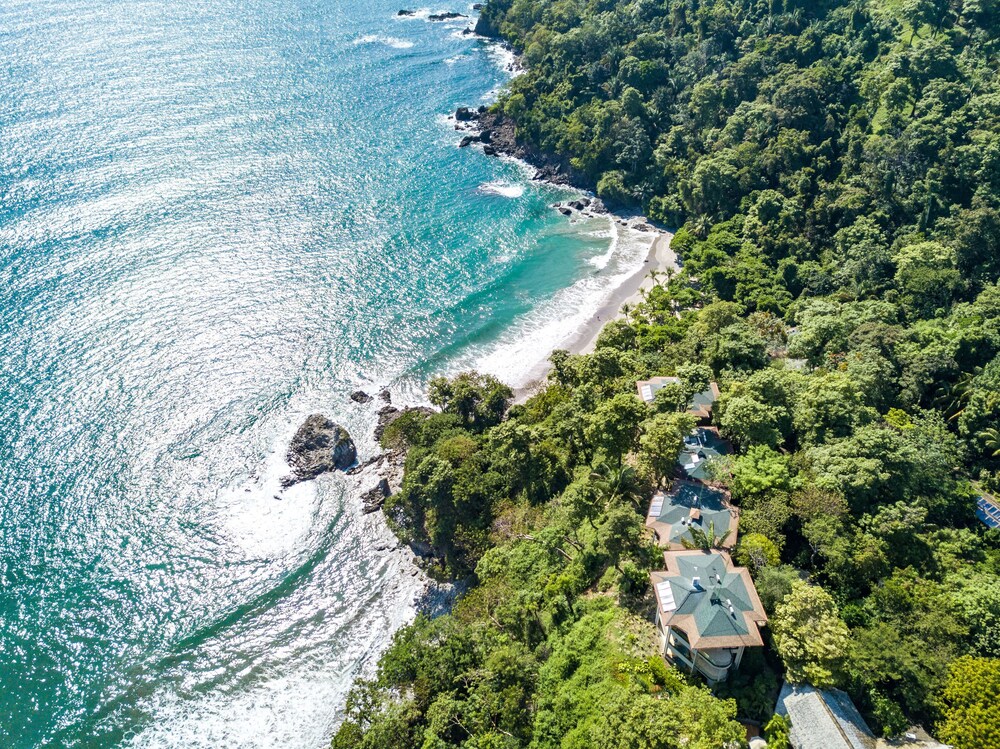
x=216, y=217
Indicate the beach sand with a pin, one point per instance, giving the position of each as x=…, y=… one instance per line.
x=660, y=258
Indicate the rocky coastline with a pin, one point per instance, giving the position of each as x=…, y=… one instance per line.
x=497, y=134
x=320, y=445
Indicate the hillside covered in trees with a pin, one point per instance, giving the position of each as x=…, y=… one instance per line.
x=834, y=168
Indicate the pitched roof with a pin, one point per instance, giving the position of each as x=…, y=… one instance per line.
x=823, y=719
x=649, y=388
x=714, y=603
x=700, y=447
x=688, y=505
x=700, y=405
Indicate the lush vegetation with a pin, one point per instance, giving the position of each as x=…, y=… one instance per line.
x=835, y=170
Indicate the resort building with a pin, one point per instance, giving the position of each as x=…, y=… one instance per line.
x=692, y=506
x=700, y=406
x=988, y=511
x=707, y=612
x=700, y=448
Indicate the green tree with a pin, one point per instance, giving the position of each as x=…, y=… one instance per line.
x=480, y=400
x=757, y=551
x=661, y=442
x=706, y=539
x=969, y=704
x=810, y=636
x=614, y=426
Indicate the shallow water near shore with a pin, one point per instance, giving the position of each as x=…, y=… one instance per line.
x=217, y=218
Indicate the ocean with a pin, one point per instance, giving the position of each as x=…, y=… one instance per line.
x=217, y=217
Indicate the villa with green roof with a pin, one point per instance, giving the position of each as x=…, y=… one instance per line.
x=700, y=406
x=700, y=448
x=707, y=612
x=687, y=506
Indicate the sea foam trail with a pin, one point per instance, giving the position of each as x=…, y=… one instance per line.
x=388, y=41
x=601, y=261
x=503, y=189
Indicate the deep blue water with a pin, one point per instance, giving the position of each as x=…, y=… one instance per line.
x=217, y=216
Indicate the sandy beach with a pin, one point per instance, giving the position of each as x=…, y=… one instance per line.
x=630, y=291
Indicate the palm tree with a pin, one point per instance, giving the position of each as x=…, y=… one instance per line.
x=991, y=438
x=614, y=483
x=954, y=398
x=701, y=225
x=706, y=540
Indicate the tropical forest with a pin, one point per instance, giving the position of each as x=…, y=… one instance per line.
x=831, y=172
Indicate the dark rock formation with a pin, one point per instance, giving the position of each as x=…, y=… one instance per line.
x=373, y=499
x=499, y=134
x=468, y=140
x=386, y=415
x=446, y=16
x=486, y=25
x=407, y=13
x=319, y=446
x=360, y=396
x=385, y=395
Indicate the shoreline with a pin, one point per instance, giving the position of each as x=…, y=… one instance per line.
x=660, y=257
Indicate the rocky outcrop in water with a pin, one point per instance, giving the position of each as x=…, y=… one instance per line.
x=319, y=446
x=585, y=206
x=360, y=396
x=446, y=16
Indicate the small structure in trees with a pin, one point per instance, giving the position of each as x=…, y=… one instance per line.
x=699, y=405
x=823, y=719
x=700, y=448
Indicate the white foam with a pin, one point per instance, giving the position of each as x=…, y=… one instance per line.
x=505, y=59
x=553, y=324
x=504, y=189
x=601, y=261
x=389, y=41
x=455, y=59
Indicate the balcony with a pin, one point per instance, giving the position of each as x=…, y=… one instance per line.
x=714, y=665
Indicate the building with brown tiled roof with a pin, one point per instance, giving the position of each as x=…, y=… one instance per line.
x=707, y=612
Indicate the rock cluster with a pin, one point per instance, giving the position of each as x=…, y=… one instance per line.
x=498, y=135
x=445, y=16
x=585, y=206
x=387, y=465
x=319, y=446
